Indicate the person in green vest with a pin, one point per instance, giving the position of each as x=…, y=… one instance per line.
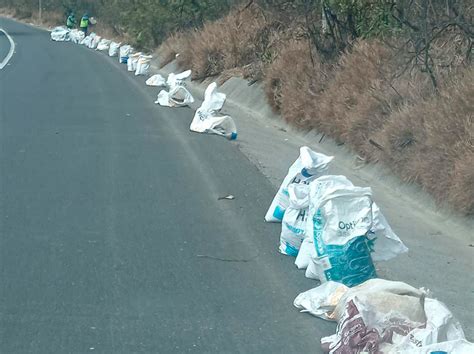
x=84, y=23
x=71, y=21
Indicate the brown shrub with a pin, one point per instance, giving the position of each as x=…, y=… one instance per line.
x=243, y=39
x=294, y=82
x=174, y=45
x=431, y=143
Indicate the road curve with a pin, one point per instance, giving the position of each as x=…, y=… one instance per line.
x=110, y=219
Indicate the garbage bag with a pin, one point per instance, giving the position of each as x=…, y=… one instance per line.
x=322, y=300
x=305, y=253
x=294, y=220
x=87, y=40
x=459, y=346
x=76, y=36
x=179, y=96
x=307, y=167
x=340, y=225
x=382, y=316
x=104, y=44
x=133, y=61
x=124, y=53
x=114, y=49
x=60, y=34
x=207, y=118
x=143, y=65
x=178, y=79
x=95, y=41
x=441, y=327
x=380, y=240
x=156, y=80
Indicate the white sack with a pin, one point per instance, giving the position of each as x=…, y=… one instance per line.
x=312, y=271
x=207, y=118
x=114, y=49
x=380, y=242
x=294, y=220
x=133, y=61
x=156, y=80
x=104, y=44
x=322, y=300
x=177, y=79
x=87, y=41
x=459, y=346
x=305, y=254
x=95, y=41
x=76, y=36
x=60, y=34
x=143, y=65
x=340, y=225
x=307, y=167
x=441, y=326
x=124, y=53
x=179, y=96
x=387, y=244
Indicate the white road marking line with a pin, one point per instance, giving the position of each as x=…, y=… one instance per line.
x=10, y=53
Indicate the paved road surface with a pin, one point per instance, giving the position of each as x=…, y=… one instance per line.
x=108, y=202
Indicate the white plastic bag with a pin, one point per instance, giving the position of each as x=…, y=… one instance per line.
x=104, y=44
x=305, y=254
x=179, y=96
x=143, y=65
x=322, y=300
x=95, y=41
x=124, y=53
x=87, y=41
x=76, y=36
x=60, y=34
x=340, y=225
x=114, y=49
x=133, y=61
x=156, y=80
x=307, y=167
x=207, y=118
x=380, y=240
x=177, y=79
x=294, y=221
x=387, y=244
x=441, y=326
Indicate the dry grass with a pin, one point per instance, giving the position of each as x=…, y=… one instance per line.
x=243, y=39
x=432, y=143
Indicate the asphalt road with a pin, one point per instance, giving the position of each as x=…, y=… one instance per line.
x=112, y=237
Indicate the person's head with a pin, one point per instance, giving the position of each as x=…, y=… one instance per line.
x=86, y=15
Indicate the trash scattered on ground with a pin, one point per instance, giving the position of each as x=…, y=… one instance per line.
x=178, y=95
x=228, y=197
x=307, y=167
x=104, y=44
x=114, y=49
x=60, y=34
x=143, y=65
x=294, y=220
x=207, y=118
x=156, y=80
x=124, y=53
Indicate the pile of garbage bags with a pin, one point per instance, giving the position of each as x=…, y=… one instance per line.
x=336, y=232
